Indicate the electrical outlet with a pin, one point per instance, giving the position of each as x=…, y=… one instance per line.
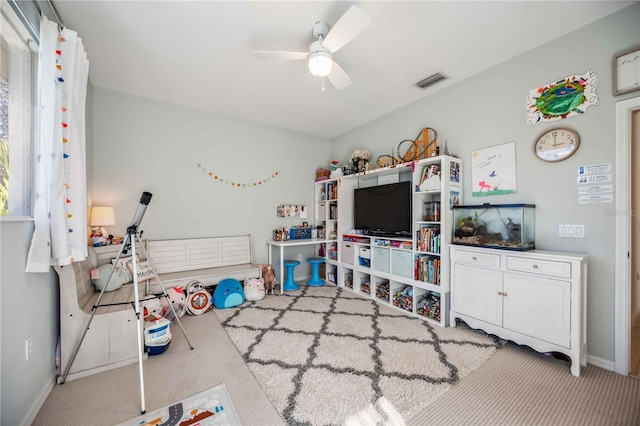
x=300, y=258
x=28, y=348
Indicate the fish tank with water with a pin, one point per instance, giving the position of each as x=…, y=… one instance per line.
x=502, y=226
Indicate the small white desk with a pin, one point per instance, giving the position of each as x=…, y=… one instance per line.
x=291, y=243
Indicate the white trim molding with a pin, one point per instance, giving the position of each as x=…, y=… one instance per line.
x=623, y=233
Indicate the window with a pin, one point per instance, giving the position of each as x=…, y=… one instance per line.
x=17, y=90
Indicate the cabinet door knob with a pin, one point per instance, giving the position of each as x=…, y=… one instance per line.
x=474, y=258
x=535, y=266
x=500, y=293
x=504, y=294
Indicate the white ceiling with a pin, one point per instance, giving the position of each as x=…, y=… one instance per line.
x=200, y=53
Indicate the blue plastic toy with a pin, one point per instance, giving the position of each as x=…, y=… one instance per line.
x=228, y=294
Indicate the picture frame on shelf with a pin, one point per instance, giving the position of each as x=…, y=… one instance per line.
x=626, y=71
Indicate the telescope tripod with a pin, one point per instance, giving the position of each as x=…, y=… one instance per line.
x=132, y=237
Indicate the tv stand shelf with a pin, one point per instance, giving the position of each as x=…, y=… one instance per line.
x=408, y=272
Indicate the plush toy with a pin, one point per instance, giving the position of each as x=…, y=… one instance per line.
x=98, y=238
x=268, y=277
x=152, y=307
x=254, y=289
x=198, y=299
x=178, y=299
x=228, y=294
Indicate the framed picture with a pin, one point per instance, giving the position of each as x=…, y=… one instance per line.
x=626, y=71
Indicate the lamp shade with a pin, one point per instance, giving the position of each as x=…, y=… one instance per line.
x=320, y=63
x=102, y=216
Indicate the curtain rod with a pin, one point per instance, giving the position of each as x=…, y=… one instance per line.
x=55, y=13
x=53, y=10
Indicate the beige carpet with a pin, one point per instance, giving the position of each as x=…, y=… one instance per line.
x=519, y=386
x=114, y=396
x=516, y=386
x=328, y=356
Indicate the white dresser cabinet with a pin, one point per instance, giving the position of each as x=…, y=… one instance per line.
x=535, y=298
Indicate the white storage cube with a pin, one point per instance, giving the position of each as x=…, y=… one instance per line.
x=365, y=252
x=321, y=214
x=380, y=259
x=347, y=253
x=402, y=263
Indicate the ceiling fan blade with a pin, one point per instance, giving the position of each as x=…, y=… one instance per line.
x=280, y=55
x=338, y=77
x=348, y=26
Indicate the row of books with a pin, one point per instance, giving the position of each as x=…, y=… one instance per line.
x=332, y=191
x=427, y=269
x=428, y=239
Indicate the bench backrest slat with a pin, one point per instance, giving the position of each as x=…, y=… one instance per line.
x=199, y=253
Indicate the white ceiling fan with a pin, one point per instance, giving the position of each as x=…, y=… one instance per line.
x=320, y=54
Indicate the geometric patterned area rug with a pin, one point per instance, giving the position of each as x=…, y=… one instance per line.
x=324, y=355
x=208, y=408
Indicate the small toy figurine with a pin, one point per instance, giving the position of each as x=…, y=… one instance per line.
x=268, y=277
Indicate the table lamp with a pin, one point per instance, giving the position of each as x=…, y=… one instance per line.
x=101, y=217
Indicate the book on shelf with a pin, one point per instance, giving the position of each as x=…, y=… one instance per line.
x=427, y=269
x=428, y=239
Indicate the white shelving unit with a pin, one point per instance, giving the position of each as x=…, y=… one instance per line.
x=326, y=222
x=410, y=274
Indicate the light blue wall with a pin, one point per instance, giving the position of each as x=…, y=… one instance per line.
x=144, y=145
x=28, y=307
x=489, y=109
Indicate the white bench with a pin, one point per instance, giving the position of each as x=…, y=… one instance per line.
x=208, y=260
x=111, y=340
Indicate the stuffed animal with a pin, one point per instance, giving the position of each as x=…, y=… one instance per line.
x=198, y=299
x=152, y=307
x=254, y=289
x=228, y=294
x=178, y=299
x=268, y=277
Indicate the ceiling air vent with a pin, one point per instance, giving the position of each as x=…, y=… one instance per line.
x=430, y=81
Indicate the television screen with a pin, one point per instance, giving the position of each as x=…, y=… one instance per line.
x=383, y=210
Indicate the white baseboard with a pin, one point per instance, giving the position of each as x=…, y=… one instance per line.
x=599, y=362
x=39, y=402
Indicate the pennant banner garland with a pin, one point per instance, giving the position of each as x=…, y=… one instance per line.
x=232, y=182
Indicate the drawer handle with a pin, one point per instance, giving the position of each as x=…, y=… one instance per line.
x=474, y=258
x=535, y=266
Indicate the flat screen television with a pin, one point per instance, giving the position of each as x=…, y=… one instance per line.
x=383, y=210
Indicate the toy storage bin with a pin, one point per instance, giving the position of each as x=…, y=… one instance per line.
x=365, y=284
x=402, y=263
x=428, y=304
x=402, y=297
x=321, y=214
x=348, y=280
x=347, y=252
x=382, y=290
x=364, y=257
x=380, y=259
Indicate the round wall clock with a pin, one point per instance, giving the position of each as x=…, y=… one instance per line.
x=556, y=144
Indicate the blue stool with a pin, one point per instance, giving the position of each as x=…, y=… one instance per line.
x=289, y=283
x=315, y=280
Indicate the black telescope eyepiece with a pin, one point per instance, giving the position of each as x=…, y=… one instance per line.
x=145, y=198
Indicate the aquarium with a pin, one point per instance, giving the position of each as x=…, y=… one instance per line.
x=504, y=226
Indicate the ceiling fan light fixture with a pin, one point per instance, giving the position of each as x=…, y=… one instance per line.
x=320, y=62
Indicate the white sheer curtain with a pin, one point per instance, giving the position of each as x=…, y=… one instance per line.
x=60, y=211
